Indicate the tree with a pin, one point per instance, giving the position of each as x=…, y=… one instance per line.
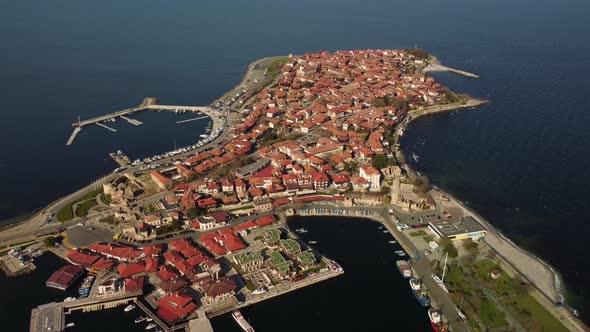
x=470, y=246
x=50, y=241
x=379, y=161
x=449, y=248
x=385, y=190
x=422, y=183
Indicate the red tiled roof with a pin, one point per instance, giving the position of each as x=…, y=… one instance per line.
x=82, y=258
x=166, y=273
x=174, y=307
x=116, y=250
x=127, y=270
x=65, y=276
x=133, y=284
x=102, y=264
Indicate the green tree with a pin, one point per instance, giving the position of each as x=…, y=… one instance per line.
x=449, y=247
x=49, y=241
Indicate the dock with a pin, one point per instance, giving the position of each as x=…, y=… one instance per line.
x=132, y=121
x=73, y=136
x=107, y=127
x=123, y=114
x=193, y=119
x=439, y=67
x=52, y=316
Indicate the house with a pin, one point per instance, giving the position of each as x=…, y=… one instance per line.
x=215, y=291
x=372, y=175
x=320, y=180
x=249, y=261
x=163, y=182
x=359, y=183
x=174, y=307
x=227, y=186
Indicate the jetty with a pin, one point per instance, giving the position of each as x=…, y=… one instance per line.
x=123, y=114
x=193, y=119
x=439, y=67
x=52, y=316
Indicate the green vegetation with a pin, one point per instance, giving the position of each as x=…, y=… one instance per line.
x=194, y=212
x=105, y=199
x=427, y=239
x=452, y=97
x=422, y=183
x=67, y=212
x=449, y=247
x=381, y=161
x=418, y=53
x=418, y=233
x=174, y=226
x=50, y=241
x=83, y=207
x=398, y=103
x=274, y=68
x=108, y=220
x=472, y=285
x=249, y=284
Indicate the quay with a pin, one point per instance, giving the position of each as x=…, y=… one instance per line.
x=132, y=121
x=193, y=119
x=107, y=127
x=73, y=136
x=439, y=67
x=51, y=316
x=208, y=111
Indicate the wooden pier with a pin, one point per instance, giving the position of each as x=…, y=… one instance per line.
x=52, y=316
x=208, y=111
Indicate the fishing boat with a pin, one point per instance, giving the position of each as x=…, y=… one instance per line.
x=242, y=321
x=436, y=321
x=404, y=268
x=422, y=297
x=415, y=284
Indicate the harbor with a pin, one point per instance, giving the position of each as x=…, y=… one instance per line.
x=124, y=114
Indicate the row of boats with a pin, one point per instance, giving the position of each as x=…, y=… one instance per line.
x=421, y=294
x=84, y=289
x=141, y=319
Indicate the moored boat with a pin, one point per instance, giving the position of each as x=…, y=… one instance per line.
x=129, y=308
x=415, y=284
x=404, y=268
x=242, y=321
x=422, y=297
x=150, y=326
x=436, y=321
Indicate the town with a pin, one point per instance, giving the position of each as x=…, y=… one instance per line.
x=206, y=233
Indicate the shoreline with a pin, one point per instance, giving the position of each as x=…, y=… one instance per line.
x=38, y=214
x=553, y=295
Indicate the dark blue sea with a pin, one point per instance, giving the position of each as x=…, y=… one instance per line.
x=521, y=161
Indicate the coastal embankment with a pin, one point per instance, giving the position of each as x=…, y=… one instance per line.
x=544, y=278
x=434, y=65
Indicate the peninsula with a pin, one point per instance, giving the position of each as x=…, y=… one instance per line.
x=205, y=226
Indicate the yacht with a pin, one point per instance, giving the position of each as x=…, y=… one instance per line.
x=129, y=308
x=242, y=321
x=415, y=284
x=150, y=326
x=139, y=319
x=70, y=324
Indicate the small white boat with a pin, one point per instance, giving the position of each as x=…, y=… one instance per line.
x=242, y=321
x=129, y=308
x=140, y=319
x=150, y=326
x=313, y=242
x=392, y=242
x=385, y=231
x=259, y=290
x=415, y=284
x=70, y=324
x=69, y=298
x=439, y=282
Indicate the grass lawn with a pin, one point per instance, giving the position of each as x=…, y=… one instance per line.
x=490, y=315
x=84, y=207
x=67, y=213
x=106, y=199
x=428, y=239
x=418, y=233
x=540, y=319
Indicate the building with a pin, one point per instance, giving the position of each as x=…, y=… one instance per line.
x=175, y=307
x=279, y=264
x=305, y=260
x=290, y=247
x=372, y=175
x=65, y=277
x=465, y=228
x=215, y=291
x=249, y=261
